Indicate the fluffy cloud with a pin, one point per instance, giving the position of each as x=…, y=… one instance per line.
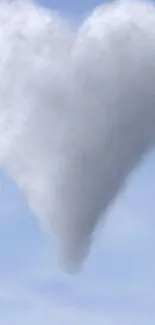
x=76, y=111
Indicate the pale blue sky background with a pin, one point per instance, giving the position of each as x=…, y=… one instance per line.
x=74, y=7
x=117, y=284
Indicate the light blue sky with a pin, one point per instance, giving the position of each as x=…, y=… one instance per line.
x=117, y=284
x=78, y=7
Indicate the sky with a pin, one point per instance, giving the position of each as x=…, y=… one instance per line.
x=77, y=8
x=117, y=283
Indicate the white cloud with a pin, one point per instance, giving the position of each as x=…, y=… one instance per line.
x=77, y=110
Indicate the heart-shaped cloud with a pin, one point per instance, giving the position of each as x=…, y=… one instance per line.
x=77, y=110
